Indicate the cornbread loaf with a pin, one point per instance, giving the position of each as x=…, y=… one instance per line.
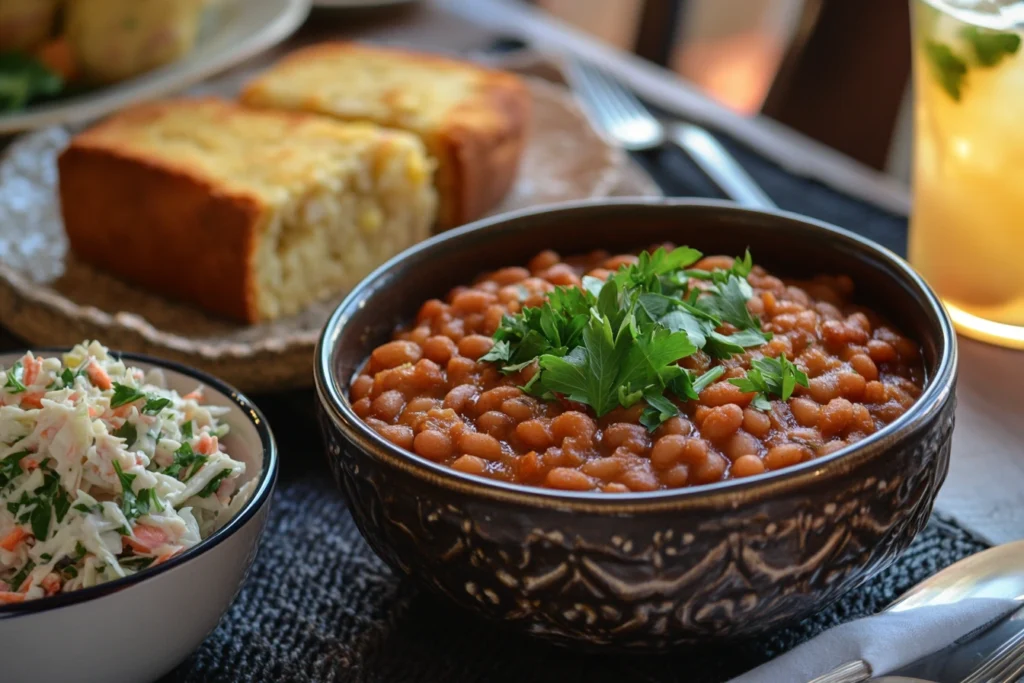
x=472, y=119
x=249, y=214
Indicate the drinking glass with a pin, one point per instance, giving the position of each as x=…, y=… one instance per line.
x=967, y=224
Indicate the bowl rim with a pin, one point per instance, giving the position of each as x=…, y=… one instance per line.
x=729, y=493
x=260, y=496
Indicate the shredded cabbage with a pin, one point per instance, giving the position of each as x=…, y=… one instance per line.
x=103, y=472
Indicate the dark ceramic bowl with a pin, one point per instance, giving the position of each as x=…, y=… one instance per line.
x=644, y=570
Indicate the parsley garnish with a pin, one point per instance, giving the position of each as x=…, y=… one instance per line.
x=770, y=377
x=186, y=430
x=10, y=467
x=124, y=395
x=14, y=379
x=20, y=577
x=50, y=500
x=184, y=459
x=614, y=343
x=155, y=405
x=135, y=505
x=212, y=486
x=128, y=432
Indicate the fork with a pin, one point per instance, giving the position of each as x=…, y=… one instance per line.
x=626, y=121
x=1004, y=665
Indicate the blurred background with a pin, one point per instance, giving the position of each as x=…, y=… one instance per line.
x=836, y=70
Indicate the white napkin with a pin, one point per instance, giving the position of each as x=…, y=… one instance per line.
x=887, y=641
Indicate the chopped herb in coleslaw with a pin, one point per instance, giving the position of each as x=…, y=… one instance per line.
x=103, y=472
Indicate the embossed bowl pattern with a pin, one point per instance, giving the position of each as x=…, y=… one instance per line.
x=642, y=571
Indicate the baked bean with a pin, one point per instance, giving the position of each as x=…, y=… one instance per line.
x=835, y=416
x=630, y=436
x=864, y=366
x=805, y=411
x=427, y=391
x=433, y=445
x=568, y=479
x=575, y=424
x=740, y=444
x=638, y=479
x=667, y=451
x=460, y=397
x=495, y=423
x=543, y=261
x=722, y=422
x=747, y=466
x=361, y=386
x=393, y=354
x=756, y=422
x=874, y=392
x=475, y=345
x=676, y=477
x=850, y=385
x=881, y=351
x=388, y=405
x=362, y=407
x=439, y=349
x=719, y=262
x=400, y=435
x=481, y=445
x=470, y=464
x=535, y=434
x=786, y=455
x=509, y=276
x=721, y=393
x=674, y=425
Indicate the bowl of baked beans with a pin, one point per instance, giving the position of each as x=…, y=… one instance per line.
x=637, y=423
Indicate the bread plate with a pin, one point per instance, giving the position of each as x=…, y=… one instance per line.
x=233, y=32
x=48, y=297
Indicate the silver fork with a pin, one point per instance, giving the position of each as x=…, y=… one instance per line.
x=626, y=121
x=1005, y=664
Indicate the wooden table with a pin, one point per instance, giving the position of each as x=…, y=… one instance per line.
x=985, y=487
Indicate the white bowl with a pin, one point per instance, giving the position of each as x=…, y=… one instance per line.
x=138, y=628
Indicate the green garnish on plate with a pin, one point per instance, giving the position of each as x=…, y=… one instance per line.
x=612, y=344
x=24, y=79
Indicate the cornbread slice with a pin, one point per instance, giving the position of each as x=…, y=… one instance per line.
x=249, y=214
x=472, y=119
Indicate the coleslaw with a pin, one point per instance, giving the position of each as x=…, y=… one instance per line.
x=103, y=472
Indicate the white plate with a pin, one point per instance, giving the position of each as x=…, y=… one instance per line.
x=239, y=30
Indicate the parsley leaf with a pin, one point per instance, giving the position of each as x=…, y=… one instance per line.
x=19, y=578
x=186, y=430
x=990, y=47
x=155, y=405
x=128, y=432
x=10, y=467
x=659, y=409
x=770, y=377
x=24, y=79
x=14, y=380
x=212, y=486
x=185, y=458
x=123, y=395
x=135, y=505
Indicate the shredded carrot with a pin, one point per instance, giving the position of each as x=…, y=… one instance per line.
x=50, y=583
x=98, y=376
x=195, y=395
x=32, y=368
x=32, y=399
x=167, y=556
x=30, y=464
x=146, y=538
x=9, y=597
x=207, y=445
x=11, y=540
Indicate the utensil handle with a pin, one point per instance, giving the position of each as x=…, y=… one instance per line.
x=851, y=672
x=712, y=158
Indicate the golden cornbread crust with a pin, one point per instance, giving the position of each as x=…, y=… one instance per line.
x=473, y=120
x=248, y=213
x=157, y=225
